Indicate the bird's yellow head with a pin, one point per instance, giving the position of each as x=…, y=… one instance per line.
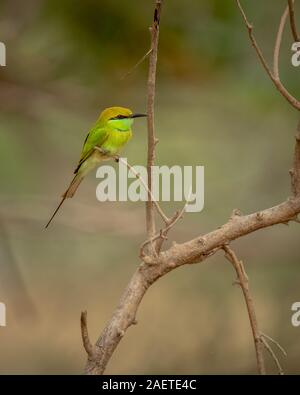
x=119, y=118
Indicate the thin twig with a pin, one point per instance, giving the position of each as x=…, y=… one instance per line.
x=273, y=355
x=85, y=335
x=143, y=182
x=154, y=31
x=162, y=233
x=254, y=42
x=278, y=43
x=244, y=284
x=276, y=80
x=275, y=342
x=137, y=64
x=161, y=236
x=292, y=20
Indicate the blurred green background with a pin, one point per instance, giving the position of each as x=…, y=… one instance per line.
x=215, y=107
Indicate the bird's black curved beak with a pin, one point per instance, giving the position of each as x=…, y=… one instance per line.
x=138, y=115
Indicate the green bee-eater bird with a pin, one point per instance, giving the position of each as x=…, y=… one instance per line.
x=105, y=139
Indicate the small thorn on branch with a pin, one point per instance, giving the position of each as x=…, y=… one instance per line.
x=121, y=333
x=235, y=213
x=201, y=241
x=259, y=216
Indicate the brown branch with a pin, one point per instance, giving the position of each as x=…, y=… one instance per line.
x=154, y=31
x=193, y=251
x=295, y=171
x=85, y=335
x=292, y=20
x=276, y=80
x=278, y=43
x=162, y=235
x=244, y=284
x=254, y=42
x=190, y=252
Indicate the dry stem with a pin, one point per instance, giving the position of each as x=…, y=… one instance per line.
x=197, y=249
x=292, y=21
x=274, y=77
x=154, y=31
x=244, y=284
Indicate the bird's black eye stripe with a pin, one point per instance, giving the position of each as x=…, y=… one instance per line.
x=119, y=117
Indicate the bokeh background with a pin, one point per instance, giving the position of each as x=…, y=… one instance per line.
x=215, y=107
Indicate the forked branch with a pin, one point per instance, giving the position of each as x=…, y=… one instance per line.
x=190, y=252
x=274, y=75
x=155, y=265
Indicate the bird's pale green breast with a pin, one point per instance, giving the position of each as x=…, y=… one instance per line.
x=111, y=132
x=116, y=140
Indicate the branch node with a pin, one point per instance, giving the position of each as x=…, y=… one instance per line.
x=201, y=241
x=235, y=213
x=120, y=332
x=149, y=260
x=259, y=216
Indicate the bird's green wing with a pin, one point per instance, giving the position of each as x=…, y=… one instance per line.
x=96, y=136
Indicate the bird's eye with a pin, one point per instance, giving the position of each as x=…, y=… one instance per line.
x=119, y=117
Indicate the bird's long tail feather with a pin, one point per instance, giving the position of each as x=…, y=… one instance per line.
x=68, y=194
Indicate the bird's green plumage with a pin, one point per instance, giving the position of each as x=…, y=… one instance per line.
x=107, y=133
x=96, y=136
x=111, y=132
